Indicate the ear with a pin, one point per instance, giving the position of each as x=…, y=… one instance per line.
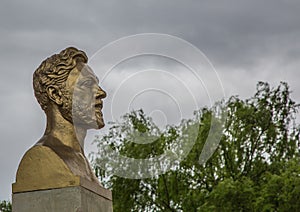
x=54, y=94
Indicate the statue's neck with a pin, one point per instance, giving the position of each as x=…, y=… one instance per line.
x=63, y=130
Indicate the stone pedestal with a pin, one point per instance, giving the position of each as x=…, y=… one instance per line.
x=68, y=199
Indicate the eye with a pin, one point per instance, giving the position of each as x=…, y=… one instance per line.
x=87, y=83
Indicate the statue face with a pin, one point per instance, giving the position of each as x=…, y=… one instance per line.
x=86, y=98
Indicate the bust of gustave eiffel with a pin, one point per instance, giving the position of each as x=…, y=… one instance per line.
x=68, y=92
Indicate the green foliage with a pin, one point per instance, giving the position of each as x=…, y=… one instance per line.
x=281, y=191
x=255, y=167
x=231, y=195
x=5, y=206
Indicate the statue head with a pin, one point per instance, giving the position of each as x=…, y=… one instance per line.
x=64, y=81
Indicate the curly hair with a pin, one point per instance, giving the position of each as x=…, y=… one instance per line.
x=55, y=71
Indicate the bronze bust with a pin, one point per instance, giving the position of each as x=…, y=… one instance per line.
x=68, y=92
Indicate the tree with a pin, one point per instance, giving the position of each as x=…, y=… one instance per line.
x=255, y=166
x=5, y=206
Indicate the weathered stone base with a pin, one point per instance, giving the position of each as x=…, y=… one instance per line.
x=77, y=199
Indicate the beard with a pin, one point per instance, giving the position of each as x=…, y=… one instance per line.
x=86, y=116
x=81, y=114
x=66, y=108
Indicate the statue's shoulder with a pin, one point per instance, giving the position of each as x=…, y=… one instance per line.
x=40, y=155
x=41, y=168
x=39, y=149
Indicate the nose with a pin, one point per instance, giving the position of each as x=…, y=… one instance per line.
x=100, y=93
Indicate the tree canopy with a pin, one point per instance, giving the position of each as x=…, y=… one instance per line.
x=5, y=206
x=255, y=166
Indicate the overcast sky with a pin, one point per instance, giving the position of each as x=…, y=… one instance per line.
x=246, y=41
